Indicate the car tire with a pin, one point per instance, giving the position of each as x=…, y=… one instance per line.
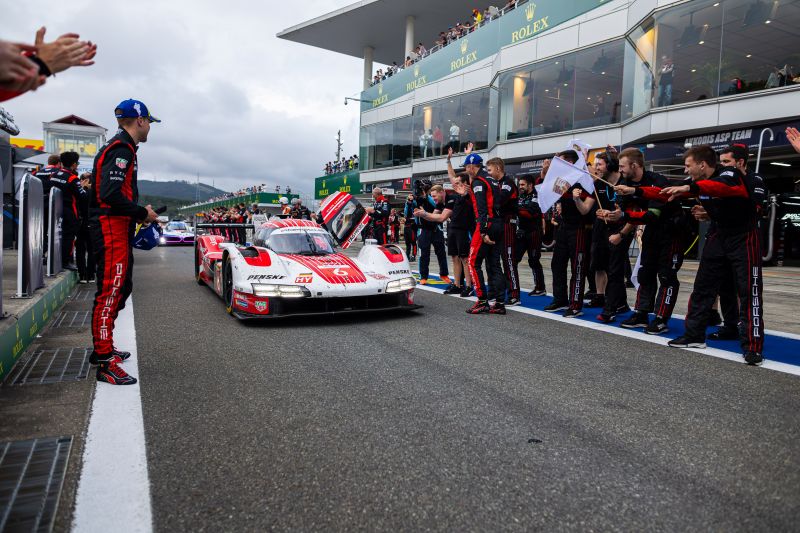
x=227, y=285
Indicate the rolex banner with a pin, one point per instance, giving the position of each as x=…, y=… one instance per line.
x=560, y=177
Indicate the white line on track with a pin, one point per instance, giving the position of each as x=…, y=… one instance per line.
x=114, y=488
x=653, y=339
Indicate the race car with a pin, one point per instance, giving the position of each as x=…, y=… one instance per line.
x=293, y=268
x=177, y=232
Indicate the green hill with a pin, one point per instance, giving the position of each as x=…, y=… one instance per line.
x=178, y=190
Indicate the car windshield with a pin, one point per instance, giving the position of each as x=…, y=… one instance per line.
x=344, y=223
x=301, y=242
x=176, y=226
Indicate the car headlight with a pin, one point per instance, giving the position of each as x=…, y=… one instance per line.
x=278, y=291
x=400, y=285
x=162, y=240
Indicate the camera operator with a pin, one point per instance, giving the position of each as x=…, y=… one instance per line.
x=379, y=214
x=528, y=237
x=451, y=206
x=429, y=233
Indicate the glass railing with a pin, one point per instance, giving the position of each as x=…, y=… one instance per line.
x=517, y=25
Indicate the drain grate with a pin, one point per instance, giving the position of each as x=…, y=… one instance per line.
x=31, y=476
x=73, y=319
x=84, y=295
x=53, y=365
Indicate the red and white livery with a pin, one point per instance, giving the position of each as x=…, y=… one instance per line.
x=294, y=267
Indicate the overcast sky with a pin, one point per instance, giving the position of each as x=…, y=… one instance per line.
x=238, y=105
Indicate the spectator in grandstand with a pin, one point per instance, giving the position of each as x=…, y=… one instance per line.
x=25, y=67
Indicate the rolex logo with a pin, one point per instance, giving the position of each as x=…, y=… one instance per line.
x=416, y=71
x=464, y=46
x=530, y=11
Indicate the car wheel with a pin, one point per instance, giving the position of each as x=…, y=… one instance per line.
x=227, y=285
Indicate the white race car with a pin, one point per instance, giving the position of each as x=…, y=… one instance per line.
x=293, y=268
x=177, y=232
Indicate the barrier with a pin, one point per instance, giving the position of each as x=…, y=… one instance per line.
x=30, y=272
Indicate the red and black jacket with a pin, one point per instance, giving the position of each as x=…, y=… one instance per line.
x=509, y=195
x=381, y=214
x=114, y=179
x=44, y=174
x=71, y=191
x=646, y=205
x=726, y=199
x=485, y=194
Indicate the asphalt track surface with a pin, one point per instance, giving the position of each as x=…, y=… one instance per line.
x=436, y=420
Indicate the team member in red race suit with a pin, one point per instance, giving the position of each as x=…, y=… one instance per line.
x=114, y=212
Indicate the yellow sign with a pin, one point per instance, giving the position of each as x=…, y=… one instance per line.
x=35, y=144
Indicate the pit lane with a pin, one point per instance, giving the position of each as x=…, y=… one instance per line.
x=440, y=420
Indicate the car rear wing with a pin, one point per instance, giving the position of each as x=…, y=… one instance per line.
x=234, y=232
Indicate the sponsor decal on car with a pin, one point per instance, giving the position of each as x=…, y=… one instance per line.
x=264, y=276
x=396, y=272
x=375, y=275
x=304, y=278
x=241, y=303
x=261, y=306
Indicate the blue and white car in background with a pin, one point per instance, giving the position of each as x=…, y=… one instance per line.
x=177, y=233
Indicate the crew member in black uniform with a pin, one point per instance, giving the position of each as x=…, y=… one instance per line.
x=66, y=179
x=299, y=211
x=84, y=256
x=114, y=213
x=736, y=155
x=663, y=241
x=609, y=247
x=44, y=174
x=379, y=212
x=509, y=195
x=410, y=234
x=528, y=238
x=571, y=246
x=732, y=245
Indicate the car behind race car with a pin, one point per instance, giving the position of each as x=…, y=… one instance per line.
x=177, y=232
x=294, y=268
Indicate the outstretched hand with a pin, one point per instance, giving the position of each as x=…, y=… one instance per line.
x=65, y=52
x=794, y=138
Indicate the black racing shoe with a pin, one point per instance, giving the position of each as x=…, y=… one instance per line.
x=636, y=320
x=572, y=313
x=686, y=342
x=452, y=289
x=537, y=292
x=102, y=359
x=657, y=326
x=114, y=374
x=724, y=334
x=498, y=309
x=555, y=306
x=753, y=358
x=605, y=318
x=466, y=292
x=123, y=356
x=622, y=309
x=598, y=300
x=714, y=318
x=512, y=301
x=481, y=306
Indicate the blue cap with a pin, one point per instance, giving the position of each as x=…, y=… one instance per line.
x=147, y=237
x=473, y=159
x=133, y=109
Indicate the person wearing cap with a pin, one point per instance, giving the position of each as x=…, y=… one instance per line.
x=114, y=213
x=286, y=211
x=487, y=236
